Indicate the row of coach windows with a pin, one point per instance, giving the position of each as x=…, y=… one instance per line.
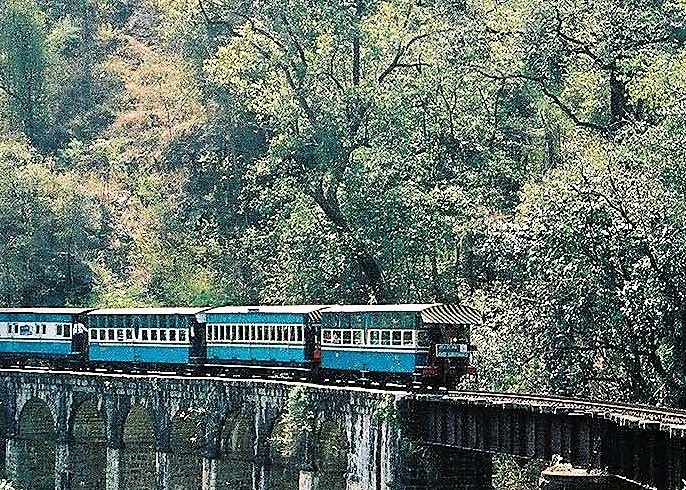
x=399, y=338
x=255, y=333
x=38, y=329
x=143, y=334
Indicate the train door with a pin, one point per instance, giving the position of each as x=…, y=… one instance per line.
x=198, y=348
x=79, y=340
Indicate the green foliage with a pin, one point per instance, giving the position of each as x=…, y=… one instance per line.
x=296, y=424
x=7, y=485
x=23, y=63
x=522, y=156
x=50, y=224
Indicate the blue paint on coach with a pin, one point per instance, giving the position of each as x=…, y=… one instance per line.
x=255, y=353
x=374, y=361
x=256, y=318
x=139, y=353
x=35, y=347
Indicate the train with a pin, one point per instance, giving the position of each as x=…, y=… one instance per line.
x=407, y=344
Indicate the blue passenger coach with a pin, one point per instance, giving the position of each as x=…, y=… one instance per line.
x=39, y=333
x=419, y=342
x=145, y=336
x=267, y=335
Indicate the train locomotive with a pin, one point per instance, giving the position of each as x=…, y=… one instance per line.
x=408, y=344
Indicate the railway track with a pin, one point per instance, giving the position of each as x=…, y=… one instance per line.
x=668, y=419
x=626, y=414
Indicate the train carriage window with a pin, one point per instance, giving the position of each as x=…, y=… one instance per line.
x=358, y=336
x=215, y=332
x=42, y=328
x=279, y=334
x=182, y=335
x=120, y=334
x=397, y=337
x=375, y=337
x=225, y=332
x=326, y=336
x=163, y=335
x=336, y=338
x=94, y=335
x=385, y=337
x=102, y=334
x=299, y=333
x=67, y=331
x=172, y=335
x=129, y=334
x=110, y=334
x=347, y=337
x=59, y=330
x=153, y=334
x=144, y=334
x=407, y=337
x=208, y=333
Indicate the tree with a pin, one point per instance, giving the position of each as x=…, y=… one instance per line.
x=23, y=64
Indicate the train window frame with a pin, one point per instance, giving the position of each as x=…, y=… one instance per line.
x=153, y=334
x=145, y=335
x=347, y=337
x=172, y=335
x=408, y=342
x=94, y=334
x=337, y=337
x=182, y=335
x=327, y=334
x=208, y=332
x=358, y=337
x=120, y=335
x=58, y=330
x=375, y=337
x=422, y=338
x=110, y=334
x=103, y=334
x=396, y=337
x=67, y=331
x=129, y=334
x=385, y=337
x=163, y=335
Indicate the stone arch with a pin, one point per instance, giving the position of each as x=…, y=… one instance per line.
x=330, y=451
x=138, y=455
x=88, y=446
x=284, y=449
x=36, y=452
x=188, y=444
x=5, y=430
x=236, y=442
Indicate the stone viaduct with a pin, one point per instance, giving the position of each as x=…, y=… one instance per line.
x=175, y=433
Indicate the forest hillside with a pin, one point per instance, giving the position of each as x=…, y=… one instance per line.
x=524, y=156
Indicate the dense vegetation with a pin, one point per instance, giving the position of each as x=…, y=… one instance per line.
x=524, y=156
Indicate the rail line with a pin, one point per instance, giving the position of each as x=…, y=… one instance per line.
x=629, y=414
x=626, y=414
